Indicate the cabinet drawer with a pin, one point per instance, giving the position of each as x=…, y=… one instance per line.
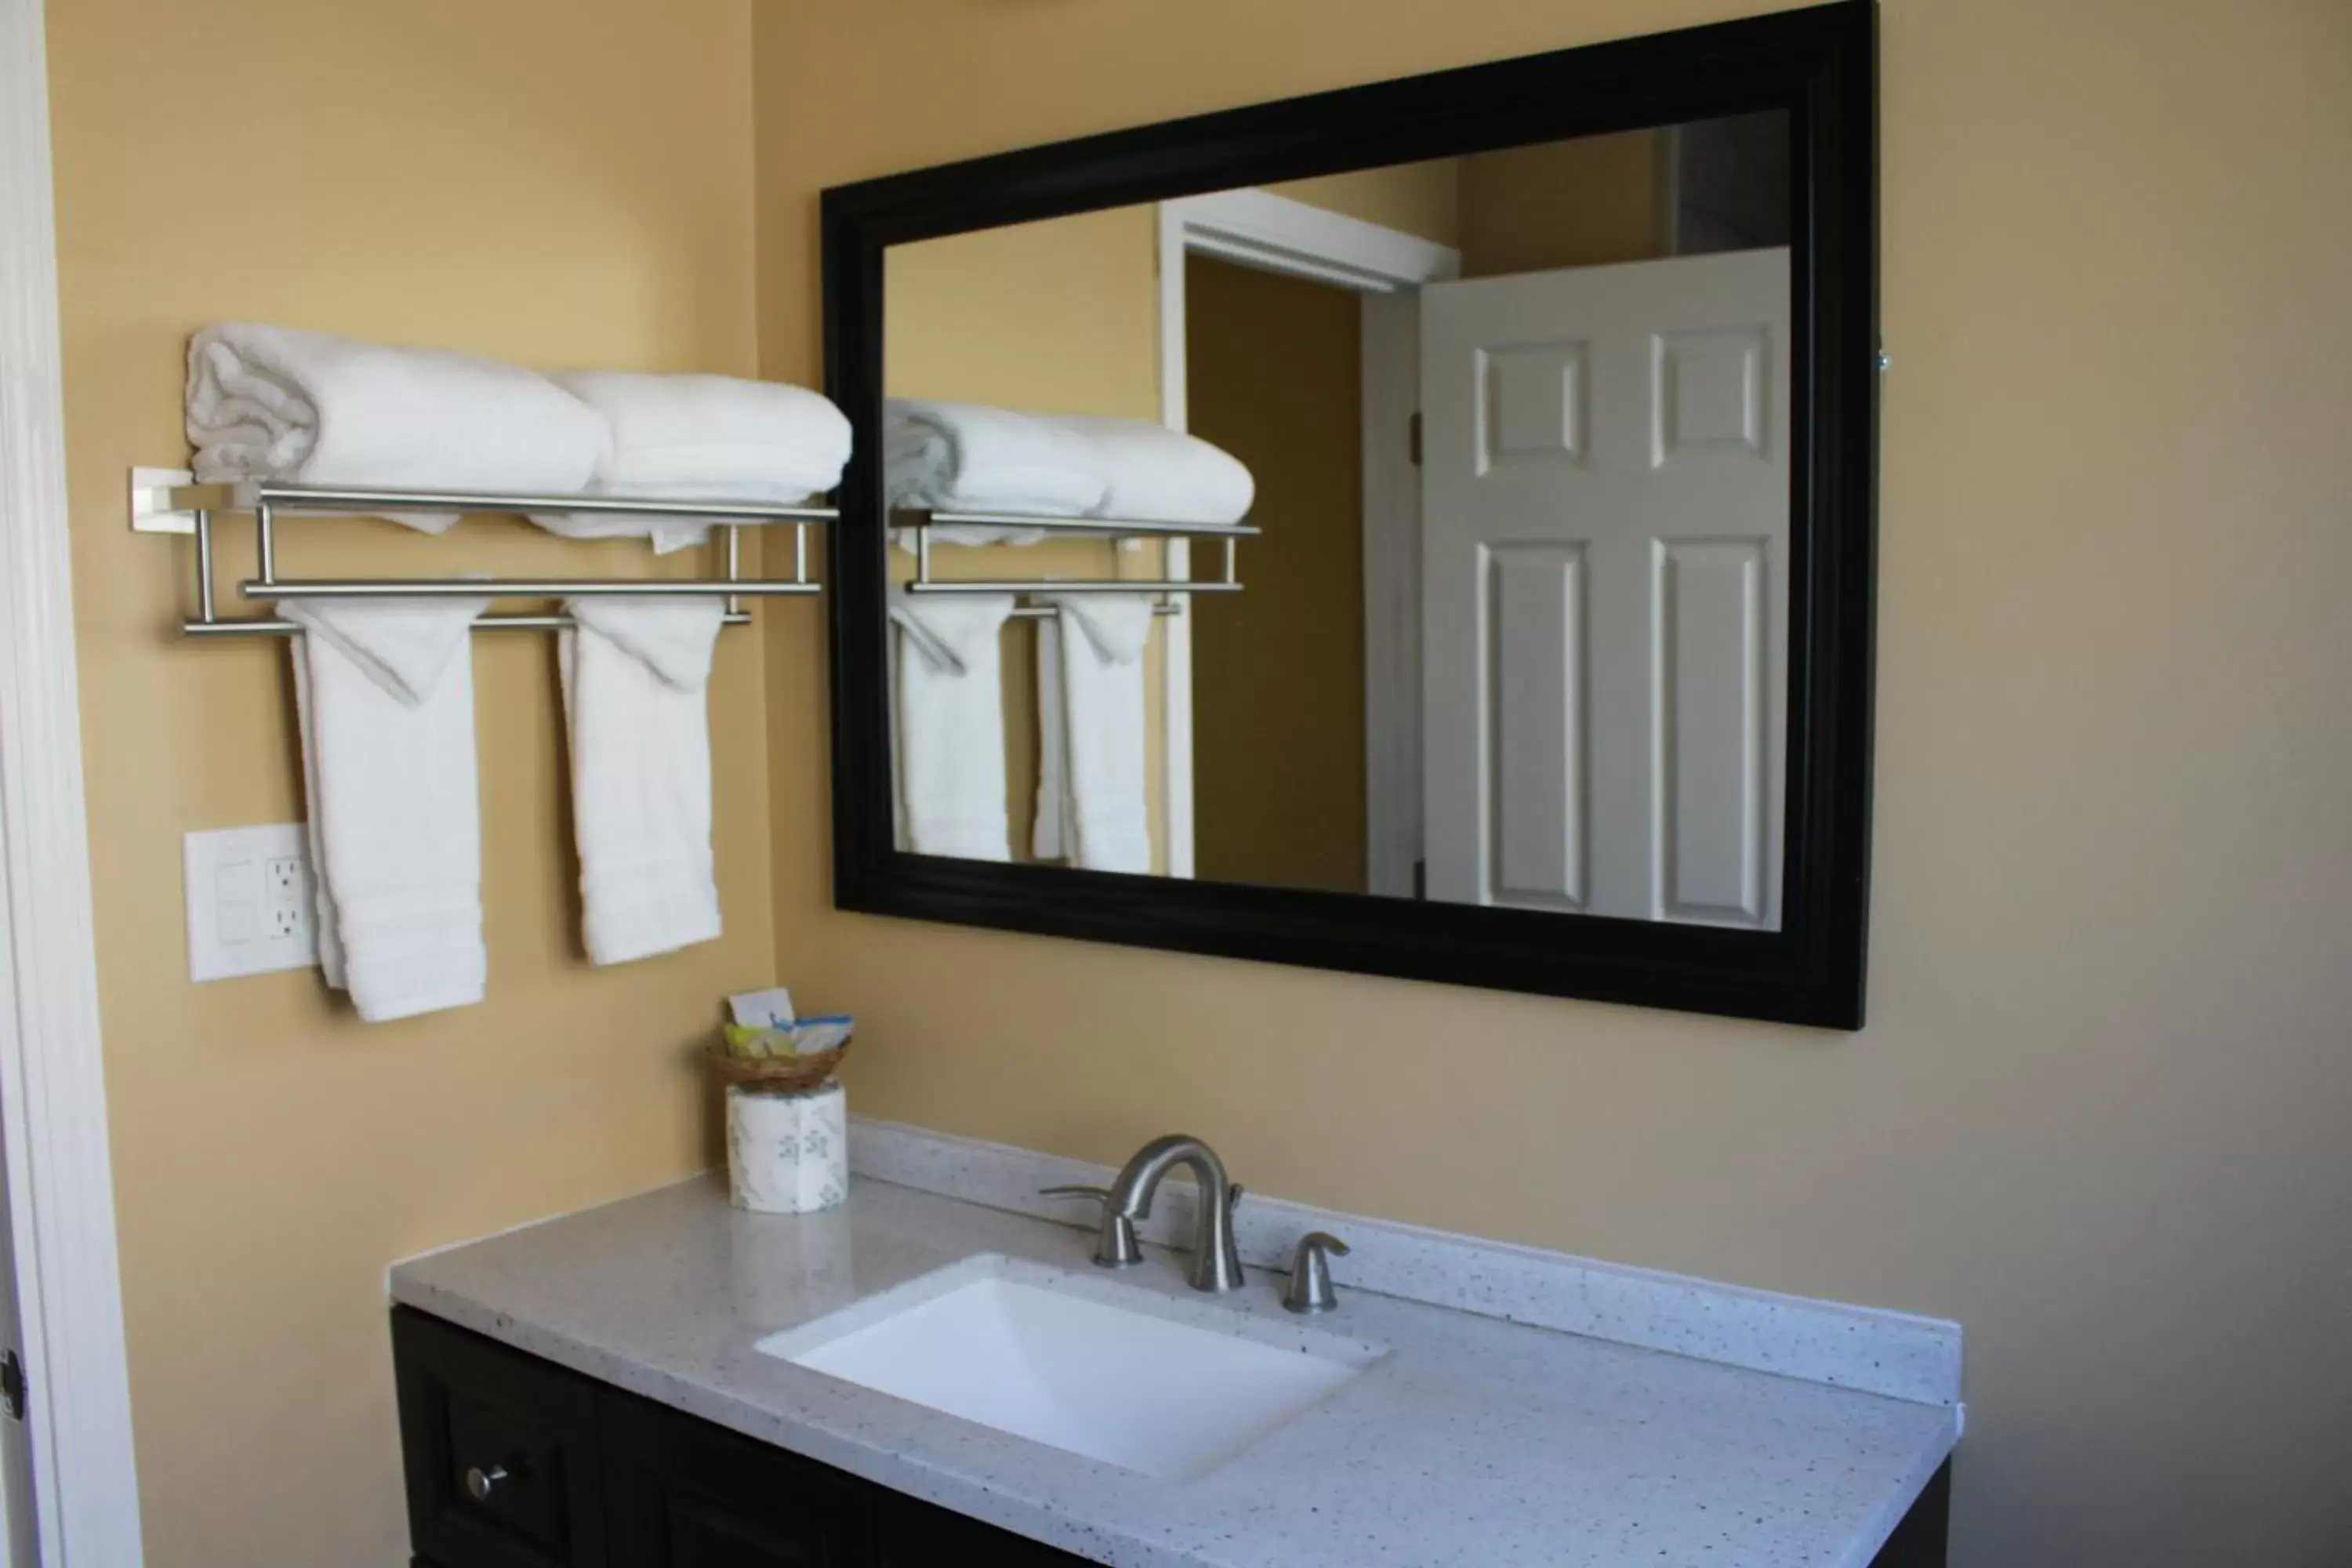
x=523, y=1429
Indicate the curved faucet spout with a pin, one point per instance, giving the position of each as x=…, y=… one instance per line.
x=1216, y=1260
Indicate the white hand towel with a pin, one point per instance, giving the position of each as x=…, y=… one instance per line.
x=966, y=457
x=271, y=403
x=949, y=693
x=386, y=694
x=636, y=673
x=1104, y=815
x=702, y=437
x=1153, y=474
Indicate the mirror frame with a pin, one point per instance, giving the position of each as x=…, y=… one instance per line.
x=1819, y=64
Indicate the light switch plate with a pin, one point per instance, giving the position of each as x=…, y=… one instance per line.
x=250, y=904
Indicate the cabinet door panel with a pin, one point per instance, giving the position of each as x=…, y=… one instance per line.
x=918, y=1535
x=467, y=1404
x=682, y=1493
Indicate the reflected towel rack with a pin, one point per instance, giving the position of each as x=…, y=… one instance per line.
x=1228, y=581
x=163, y=501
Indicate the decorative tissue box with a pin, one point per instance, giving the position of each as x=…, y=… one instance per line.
x=787, y=1153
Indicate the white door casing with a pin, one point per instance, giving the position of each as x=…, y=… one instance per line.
x=59, y=1182
x=1257, y=228
x=1605, y=489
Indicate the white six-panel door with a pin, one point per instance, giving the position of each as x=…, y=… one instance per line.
x=1605, y=530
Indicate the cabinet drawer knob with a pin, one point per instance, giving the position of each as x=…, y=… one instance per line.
x=480, y=1483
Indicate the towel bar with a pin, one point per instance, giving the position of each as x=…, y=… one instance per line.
x=1229, y=533
x=163, y=501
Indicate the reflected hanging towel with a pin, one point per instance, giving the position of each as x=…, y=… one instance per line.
x=949, y=681
x=1098, y=813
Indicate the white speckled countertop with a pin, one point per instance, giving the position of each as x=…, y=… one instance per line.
x=1476, y=1441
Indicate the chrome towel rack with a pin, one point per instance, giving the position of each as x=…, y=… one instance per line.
x=165, y=502
x=921, y=522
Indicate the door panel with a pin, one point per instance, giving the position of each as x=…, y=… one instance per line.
x=1535, y=675
x=1605, y=502
x=1710, y=727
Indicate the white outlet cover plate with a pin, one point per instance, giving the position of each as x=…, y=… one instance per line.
x=250, y=901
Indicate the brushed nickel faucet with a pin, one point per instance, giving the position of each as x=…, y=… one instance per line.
x=1216, y=1261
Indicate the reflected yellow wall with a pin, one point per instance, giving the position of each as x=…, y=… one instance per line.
x=1061, y=316
x=2099, y=1114
x=1423, y=199
x=1564, y=204
x=1275, y=372
x=558, y=181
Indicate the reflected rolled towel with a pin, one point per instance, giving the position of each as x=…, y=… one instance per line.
x=968, y=456
x=274, y=403
x=1153, y=474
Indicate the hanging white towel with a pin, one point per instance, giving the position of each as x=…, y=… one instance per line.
x=968, y=456
x=1158, y=475
x=949, y=693
x=385, y=689
x=636, y=673
x=272, y=402
x=702, y=437
x=1101, y=819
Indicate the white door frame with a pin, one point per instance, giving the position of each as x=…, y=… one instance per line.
x=1277, y=234
x=60, y=1186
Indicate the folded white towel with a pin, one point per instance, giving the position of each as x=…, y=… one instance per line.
x=1092, y=805
x=702, y=437
x=1153, y=474
x=385, y=692
x=636, y=671
x=966, y=457
x=275, y=403
x=949, y=675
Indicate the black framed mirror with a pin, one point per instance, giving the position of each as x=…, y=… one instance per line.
x=1506, y=617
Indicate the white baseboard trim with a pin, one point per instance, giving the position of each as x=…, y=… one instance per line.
x=1898, y=1354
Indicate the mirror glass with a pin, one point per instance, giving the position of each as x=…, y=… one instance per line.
x=1512, y=430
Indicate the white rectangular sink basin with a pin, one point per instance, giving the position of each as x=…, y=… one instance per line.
x=1155, y=1385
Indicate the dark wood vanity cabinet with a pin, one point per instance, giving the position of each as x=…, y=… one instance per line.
x=516, y=1463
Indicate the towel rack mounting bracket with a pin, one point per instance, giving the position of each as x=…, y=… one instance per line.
x=154, y=507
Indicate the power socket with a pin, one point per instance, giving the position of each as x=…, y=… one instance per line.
x=250, y=901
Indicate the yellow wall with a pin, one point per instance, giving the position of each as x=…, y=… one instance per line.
x=1275, y=372
x=2099, y=1114
x=554, y=181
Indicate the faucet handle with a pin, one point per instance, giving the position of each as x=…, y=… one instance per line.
x=1100, y=1195
x=1114, y=1244
x=1310, y=1290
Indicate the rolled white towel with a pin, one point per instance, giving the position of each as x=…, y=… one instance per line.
x=702, y=437
x=1153, y=474
x=968, y=456
x=275, y=403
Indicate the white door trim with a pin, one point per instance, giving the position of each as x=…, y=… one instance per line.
x=1277, y=234
x=52, y=1080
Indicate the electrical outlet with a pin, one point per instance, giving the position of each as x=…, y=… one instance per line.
x=249, y=901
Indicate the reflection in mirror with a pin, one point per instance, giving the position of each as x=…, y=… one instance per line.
x=1512, y=430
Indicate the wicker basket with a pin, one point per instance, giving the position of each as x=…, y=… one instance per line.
x=774, y=1075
